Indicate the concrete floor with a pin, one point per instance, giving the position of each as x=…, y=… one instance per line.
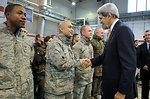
x=139, y=92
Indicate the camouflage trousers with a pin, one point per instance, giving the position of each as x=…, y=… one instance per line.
x=82, y=92
x=7, y=94
x=96, y=86
x=63, y=96
x=14, y=94
x=25, y=90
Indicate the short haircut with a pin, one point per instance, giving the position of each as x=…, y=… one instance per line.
x=62, y=23
x=74, y=35
x=135, y=40
x=10, y=7
x=96, y=30
x=46, y=38
x=37, y=36
x=147, y=31
x=82, y=28
x=52, y=36
x=108, y=8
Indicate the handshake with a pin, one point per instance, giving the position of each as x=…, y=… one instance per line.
x=86, y=63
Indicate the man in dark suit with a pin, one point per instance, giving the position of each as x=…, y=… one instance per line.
x=143, y=56
x=119, y=57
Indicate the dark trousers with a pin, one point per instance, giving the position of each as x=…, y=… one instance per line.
x=39, y=81
x=40, y=87
x=145, y=77
x=145, y=89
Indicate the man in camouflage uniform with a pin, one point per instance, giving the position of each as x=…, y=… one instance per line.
x=38, y=66
x=16, y=80
x=98, y=47
x=60, y=65
x=83, y=77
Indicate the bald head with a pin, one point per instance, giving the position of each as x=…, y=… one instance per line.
x=66, y=28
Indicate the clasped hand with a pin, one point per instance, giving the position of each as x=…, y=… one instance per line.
x=86, y=63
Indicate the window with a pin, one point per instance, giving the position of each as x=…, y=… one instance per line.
x=131, y=5
x=141, y=5
x=148, y=4
x=138, y=5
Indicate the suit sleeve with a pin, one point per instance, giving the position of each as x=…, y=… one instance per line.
x=127, y=56
x=96, y=61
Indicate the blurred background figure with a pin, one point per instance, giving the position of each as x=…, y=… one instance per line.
x=38, y=66
x=98, y=48
x=47, y=40
x=75, y=39
x=136, y=42
x=52, y=37
x=24, y=31
x=143, y=62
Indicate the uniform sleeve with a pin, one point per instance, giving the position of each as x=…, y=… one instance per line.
x=32, y=53
x=57, y=57
x=96, y=61
x=7, y=65
x=76, y=51
x=94, y=47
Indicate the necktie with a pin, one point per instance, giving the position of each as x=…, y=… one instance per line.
x=149, y=47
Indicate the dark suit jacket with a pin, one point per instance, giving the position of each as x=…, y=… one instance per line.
x=143, y=57
x=119, y=63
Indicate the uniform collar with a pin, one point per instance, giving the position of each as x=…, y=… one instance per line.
x=65, y=39
x=84, y=41
x=96, y=37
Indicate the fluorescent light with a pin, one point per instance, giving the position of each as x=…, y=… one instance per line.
x=73, y=3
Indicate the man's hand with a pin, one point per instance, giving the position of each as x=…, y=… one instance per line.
x=119, y=95
x=86, y=63
x=145, y=67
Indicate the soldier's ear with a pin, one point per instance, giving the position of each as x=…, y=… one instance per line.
x=61, y=29
x=7, y=15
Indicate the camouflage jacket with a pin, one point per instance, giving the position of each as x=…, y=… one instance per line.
x=98, y=48
x=39, y=61
x=60, y=65
x=83, y=49
x=16, y=80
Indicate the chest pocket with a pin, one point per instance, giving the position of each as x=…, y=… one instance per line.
x=22, y=47
x=68, y=52
x=86, y=52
